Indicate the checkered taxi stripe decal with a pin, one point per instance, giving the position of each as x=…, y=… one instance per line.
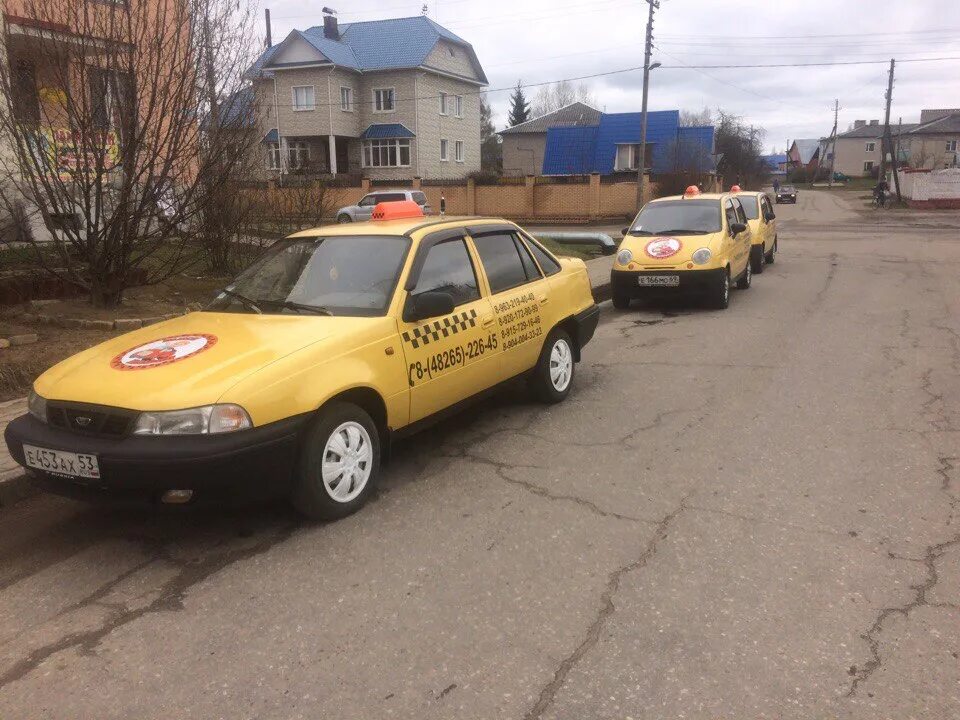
x=445, y=327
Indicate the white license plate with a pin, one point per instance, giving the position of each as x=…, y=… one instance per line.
x=59, y=462
x=659, y=280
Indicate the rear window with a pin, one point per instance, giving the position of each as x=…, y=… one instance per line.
x=419, y=198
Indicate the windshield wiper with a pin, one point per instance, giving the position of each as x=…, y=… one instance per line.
x=639, y=232
x=252, y=304
x=291, y=305
x=682, y=231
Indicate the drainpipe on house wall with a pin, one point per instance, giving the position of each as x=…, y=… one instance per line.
x=416, y=119
x=280, y=141
x=331, y=138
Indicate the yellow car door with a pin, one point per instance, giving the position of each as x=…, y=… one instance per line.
x=769, y=227
x=519, y=295
x=446, y=326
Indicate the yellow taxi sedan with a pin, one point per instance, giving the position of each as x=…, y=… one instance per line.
x=298, y=375
x=763, y=228
x=692, y=244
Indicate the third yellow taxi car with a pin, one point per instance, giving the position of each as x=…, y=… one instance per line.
x=695, y=243
x=763, y=228
x=300, y=372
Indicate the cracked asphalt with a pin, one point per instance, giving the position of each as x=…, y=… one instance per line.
x=749, y=513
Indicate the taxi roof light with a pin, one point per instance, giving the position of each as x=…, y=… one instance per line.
x=691, y=191
x=396, y=210
x=735, y=188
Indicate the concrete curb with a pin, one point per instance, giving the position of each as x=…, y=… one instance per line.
x=15, y=484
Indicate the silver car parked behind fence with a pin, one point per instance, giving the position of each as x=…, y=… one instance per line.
x=363, y=209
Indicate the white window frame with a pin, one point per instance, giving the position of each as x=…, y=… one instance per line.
x=293, y=98
x=377, y=101
x=367, y=155
x=458, y=105
x=951, y=146
x=458, y=151
x=299, y=149
x=634, y=157
x=870, y=147
x=444, y=150
x=348, y=107
x=868, y=166
x=443, y=103
x=274, y=156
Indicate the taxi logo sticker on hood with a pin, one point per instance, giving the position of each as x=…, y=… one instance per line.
x=163, y=351
x=663, y=247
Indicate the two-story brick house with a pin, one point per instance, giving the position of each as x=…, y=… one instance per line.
x=391, y=99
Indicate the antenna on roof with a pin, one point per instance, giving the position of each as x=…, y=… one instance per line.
x=425, y=10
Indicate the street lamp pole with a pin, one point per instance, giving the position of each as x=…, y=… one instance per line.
x=642, y=159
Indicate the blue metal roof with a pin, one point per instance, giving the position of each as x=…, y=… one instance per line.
x=569, y=150
x=582, y=150
x=378, y=44
x=386, y=130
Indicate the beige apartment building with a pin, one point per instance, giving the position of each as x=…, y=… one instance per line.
x=386, y=99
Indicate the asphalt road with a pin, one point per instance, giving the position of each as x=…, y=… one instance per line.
x=749, y=513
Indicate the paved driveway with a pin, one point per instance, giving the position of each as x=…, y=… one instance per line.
x=739, y=514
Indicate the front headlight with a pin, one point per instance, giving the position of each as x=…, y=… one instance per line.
x=702, y=256
x=624, y=257
x=209, y=419
x=37, y=406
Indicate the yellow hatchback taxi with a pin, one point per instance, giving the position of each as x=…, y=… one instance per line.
x=763, y=228
x=301, y=371
x=692, y=244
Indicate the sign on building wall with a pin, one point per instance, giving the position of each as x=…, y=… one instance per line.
x=66, y=153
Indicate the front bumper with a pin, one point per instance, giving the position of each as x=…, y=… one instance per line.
x=626, y=282
x=251, y=463
x=786, y=198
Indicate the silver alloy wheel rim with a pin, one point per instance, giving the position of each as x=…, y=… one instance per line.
x=749, y=274
x=561, y=365
x=726, y=287
x=347, y=461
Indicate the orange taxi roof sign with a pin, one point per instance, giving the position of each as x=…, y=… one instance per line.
x=691, y=190
x=395, y=210
x=735, y=188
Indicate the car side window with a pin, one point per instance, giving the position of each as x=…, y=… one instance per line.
x=419, y=198
x=368, y=201
x=533, y=272
x=503, y=262
x=765, y=205
x=447, y=268
x=547, y=263
x=391, y=197
x=741, y=214
x=731, y=213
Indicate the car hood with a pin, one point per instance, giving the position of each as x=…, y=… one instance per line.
x=688, y=244
x=203, y=356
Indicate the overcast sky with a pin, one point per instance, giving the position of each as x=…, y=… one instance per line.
x=539, y=40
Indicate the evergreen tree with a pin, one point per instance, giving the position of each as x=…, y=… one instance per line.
x=519, y=107
x=491, y=156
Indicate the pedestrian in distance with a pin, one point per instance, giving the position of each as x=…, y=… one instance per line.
x=880, y=191
x=776, y=185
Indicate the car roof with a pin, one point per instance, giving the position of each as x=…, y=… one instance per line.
x=701, y=196
x=401, y=226
x=377, y=191
x=752, y=193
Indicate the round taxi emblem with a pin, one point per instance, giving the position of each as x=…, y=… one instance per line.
x=663, y=247
x=162, y=351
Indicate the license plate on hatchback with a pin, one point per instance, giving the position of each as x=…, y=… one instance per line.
x=59, y=462
x=659, y=280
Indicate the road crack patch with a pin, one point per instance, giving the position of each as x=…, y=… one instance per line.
x=606, y=610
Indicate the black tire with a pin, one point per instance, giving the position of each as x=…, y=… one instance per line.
x=770, y=257
x=310, y=496
x=344, y=218
x=541, y=381
x=757, y=259
x=744, y=281
x=621, y=299
x=718, y=296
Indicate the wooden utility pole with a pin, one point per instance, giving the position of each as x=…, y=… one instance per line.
x=642, y=159
x=888, y=137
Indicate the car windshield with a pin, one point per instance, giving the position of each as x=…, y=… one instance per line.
x=338, y=275
x=678, y=216
x=786, y=188
x=751, y=206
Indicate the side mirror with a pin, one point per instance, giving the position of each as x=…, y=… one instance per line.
x=428, y=305
x=737, y=228
x=625, y=231
x=770, y=216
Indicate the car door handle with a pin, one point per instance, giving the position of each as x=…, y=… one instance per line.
x=488, y=321
x=544, y=299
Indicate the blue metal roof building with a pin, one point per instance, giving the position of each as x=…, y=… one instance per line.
x=593, y=149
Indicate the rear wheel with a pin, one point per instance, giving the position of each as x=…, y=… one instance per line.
x=339, y=463
x=757, y=259
x=719, y=295
x=771, y=256
x=621, y=299
x=553, y=374
x=344, y=218
x=744, y=282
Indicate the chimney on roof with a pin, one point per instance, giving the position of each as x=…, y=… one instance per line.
x=269, y=40
x=857, y=124
x=330, y=29
x=874, y=122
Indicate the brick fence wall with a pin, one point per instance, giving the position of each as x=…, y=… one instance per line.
x=536, y=199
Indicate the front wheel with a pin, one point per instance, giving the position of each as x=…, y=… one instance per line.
x=339, y=463
x=756, y=259
x=553, y=374
x=744, y=282
x=719, y=295
x=621, y=299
